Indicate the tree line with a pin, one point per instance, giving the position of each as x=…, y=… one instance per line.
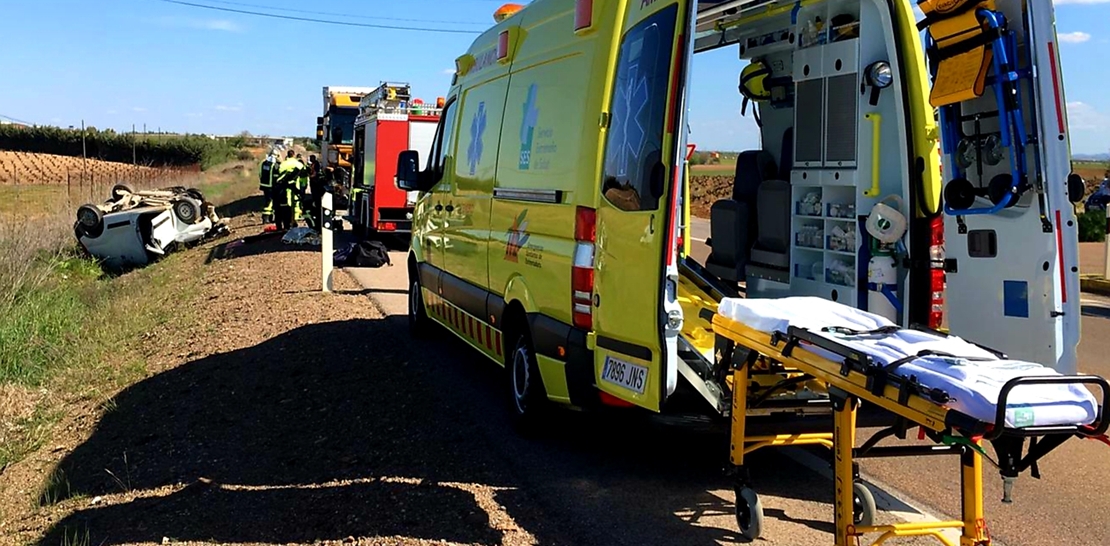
x=108, y=145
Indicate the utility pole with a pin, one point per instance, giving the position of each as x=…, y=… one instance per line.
x=84, y=154
x=133, y=155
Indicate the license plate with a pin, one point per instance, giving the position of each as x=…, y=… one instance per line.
x=625, y=374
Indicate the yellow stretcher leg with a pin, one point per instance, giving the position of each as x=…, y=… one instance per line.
x=844, y=440
x=971, y=498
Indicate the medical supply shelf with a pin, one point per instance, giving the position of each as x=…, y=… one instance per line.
x=824, y=241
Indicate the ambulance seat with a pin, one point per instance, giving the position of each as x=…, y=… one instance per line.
x=772, y=245
x=733, y=222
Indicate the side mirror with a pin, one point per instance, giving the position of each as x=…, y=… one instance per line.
x=1076, y=188
x=319, y=132
x=408, y=171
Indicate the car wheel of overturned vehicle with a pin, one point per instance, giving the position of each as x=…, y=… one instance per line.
x=90, y=221
x=195, y=194
x=528, y=396
x=187, y=210
x=120, y=190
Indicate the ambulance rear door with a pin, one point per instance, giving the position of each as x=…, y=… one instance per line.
x=1010, y=228
x=636, y=318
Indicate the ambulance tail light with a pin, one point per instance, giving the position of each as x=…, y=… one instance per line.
x=583, y=15
x=389, y=226
x=582, y=272
x=936, y=272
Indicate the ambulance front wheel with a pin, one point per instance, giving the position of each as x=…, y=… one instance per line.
x=419, y=323
x=749, y=513
x=863, y=505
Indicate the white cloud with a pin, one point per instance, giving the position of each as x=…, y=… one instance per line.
x=138, y=109
x=225, y=108
x=1085, y=117
x=1065, y=2
x=1074, y=37
x=194, y=115
x=112, y=112
x=223, y=25
x=448, y=71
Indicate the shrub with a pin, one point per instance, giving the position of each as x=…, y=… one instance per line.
x=1092, y=226
x=107, y=145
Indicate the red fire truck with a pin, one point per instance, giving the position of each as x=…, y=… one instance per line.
x=389, y=122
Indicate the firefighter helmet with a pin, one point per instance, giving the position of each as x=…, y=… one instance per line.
x=753, y=81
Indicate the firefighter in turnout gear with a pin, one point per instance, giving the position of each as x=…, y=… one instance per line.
x=266, y=176
x=285, y=189
x=298, y=192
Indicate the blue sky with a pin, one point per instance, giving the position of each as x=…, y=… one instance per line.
x=115, y=63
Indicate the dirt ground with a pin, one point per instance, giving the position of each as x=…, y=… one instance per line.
x=280, y=417
x=706, y=190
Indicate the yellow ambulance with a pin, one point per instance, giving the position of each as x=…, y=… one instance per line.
x=552, y=229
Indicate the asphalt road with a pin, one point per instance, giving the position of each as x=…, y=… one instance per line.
x=632, y=481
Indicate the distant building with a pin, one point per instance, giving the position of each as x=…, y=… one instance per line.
x=16, y=123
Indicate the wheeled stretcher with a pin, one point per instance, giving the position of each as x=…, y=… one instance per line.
x=960, y=395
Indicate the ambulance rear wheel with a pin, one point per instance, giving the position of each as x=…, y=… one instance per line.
x=749, y=513
x=863, y=505
x=526, y=387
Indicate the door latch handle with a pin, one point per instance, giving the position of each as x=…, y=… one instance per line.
x=651, y=225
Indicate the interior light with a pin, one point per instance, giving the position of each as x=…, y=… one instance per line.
x=880, y=75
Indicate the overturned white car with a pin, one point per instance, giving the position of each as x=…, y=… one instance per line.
x=133, y=228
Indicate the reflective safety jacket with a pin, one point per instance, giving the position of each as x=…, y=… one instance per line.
x=267, y=172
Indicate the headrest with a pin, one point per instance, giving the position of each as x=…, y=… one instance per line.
x=753, y=167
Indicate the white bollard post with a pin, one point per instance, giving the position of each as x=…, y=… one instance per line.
x=327, y=217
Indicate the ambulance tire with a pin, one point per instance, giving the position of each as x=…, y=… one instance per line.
x=420, y=325
x=749, y=513
x=863, y=505
x=528, y=400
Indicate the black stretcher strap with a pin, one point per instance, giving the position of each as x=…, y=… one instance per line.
x=985, y=38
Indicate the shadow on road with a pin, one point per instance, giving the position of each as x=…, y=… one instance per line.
x=347, y=429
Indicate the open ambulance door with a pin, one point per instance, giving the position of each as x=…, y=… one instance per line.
x=1010, y=227
x=636, y=317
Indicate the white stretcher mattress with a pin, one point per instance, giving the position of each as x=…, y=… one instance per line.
x=974, y=385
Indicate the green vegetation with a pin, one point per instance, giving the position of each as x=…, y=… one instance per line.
x=1092, y=226
x=309, y=144
x=150, y=150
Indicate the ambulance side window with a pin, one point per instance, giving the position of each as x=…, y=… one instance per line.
x=444, y=141
x=634, y=173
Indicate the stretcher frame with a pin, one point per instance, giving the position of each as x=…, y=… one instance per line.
x=853, y=381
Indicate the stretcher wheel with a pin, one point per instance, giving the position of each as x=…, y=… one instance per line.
x=749, y=513
x=863, y=505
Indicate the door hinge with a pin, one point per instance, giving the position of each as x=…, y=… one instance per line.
x=604, y=121
x=1056, y=314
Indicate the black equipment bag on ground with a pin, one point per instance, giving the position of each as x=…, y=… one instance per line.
x=371, y=254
